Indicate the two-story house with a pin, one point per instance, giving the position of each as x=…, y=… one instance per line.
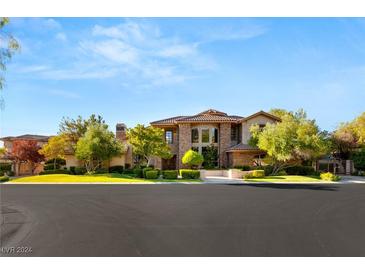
x=228, y=133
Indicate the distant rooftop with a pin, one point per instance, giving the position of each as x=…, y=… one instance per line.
x=26, y=137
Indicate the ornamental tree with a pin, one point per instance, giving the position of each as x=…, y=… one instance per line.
x=291, y=141
x=148, y=142
x=192, y=158
x=26, y=151
x=98, y=145
x=74, y=129
x=54, y=149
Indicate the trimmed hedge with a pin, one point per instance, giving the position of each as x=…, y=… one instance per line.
x=330, y=177
x=259, y=173
x=138, y=172
x=60, y=162
x=151, y=174
x=300, y=170
x=51, y=166
x=80, y=170
x=54, y=171
x=116, y=169
x=189, y=174
x=169, y=174
x=4, y=178
x=145, y=170
x=72, y=170
x=5, y=167
x=128, y=172
x=101, y=170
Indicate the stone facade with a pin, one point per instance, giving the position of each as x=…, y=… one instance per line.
x=224, y=143
x=184, y=142
x=241, y=158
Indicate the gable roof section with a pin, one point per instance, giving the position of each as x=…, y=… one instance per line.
x=264, y=113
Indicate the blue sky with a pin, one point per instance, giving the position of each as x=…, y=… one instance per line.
x=138, y=70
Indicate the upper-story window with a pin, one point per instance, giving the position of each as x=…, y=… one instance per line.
x=195, y=135
x=169, y=136
x=215, y=135
x=261, y=126
x=234, y=133
x=205, y=136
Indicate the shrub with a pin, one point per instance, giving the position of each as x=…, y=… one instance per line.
x=116, y=169
x=72, y=170
x=51, y=166
x=282, y=173
x=54, y=171
x=189, y=174
x=248, y=176
x=59, y=162
x=101, y=170
x=10, y=173
x=138, y=172
x=80, y=170
x=5, y=167
x=192, y=158
x=258, y=173
x=2, y=173
x=359, y=159
x=246, y=168
x=128, y=172
x=127, y=166
x=4, y=178
x=169, y=174
x=151, y=174
x=330, y=177
x=300, y=170
x=145, y=170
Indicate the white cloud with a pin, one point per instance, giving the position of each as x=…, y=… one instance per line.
x=138, y=51
x=61, y=36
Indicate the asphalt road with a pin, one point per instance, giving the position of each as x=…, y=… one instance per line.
x=183, y=220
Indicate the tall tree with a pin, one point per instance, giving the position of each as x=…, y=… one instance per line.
x=8, y=46
x=148, y=142
x=26, y=151
x=54, y=149
x=98, y=145
x=349, y=137
x=74, y=129
x=296, y=138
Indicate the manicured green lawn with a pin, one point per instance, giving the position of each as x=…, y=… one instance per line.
x=288, y=178
x=112, y=177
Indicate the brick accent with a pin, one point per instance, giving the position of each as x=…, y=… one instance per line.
x=224, y=143
x=184, y=142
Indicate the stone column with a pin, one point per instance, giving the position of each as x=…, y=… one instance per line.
x=184, y=142
x=224, y=143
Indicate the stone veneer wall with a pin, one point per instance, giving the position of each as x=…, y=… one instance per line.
x=242, y=158
x=224, y=143
x=184, y=142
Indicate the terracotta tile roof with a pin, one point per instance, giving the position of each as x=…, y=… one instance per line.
x=210, y=115
x=242, y=147
x=168, y=121
x=208, y=118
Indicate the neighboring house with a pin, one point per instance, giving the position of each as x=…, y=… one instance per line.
x=228, y=133
x=125, y=159
x=24, y=168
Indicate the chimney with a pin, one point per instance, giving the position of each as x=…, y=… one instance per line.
x=121, y=132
